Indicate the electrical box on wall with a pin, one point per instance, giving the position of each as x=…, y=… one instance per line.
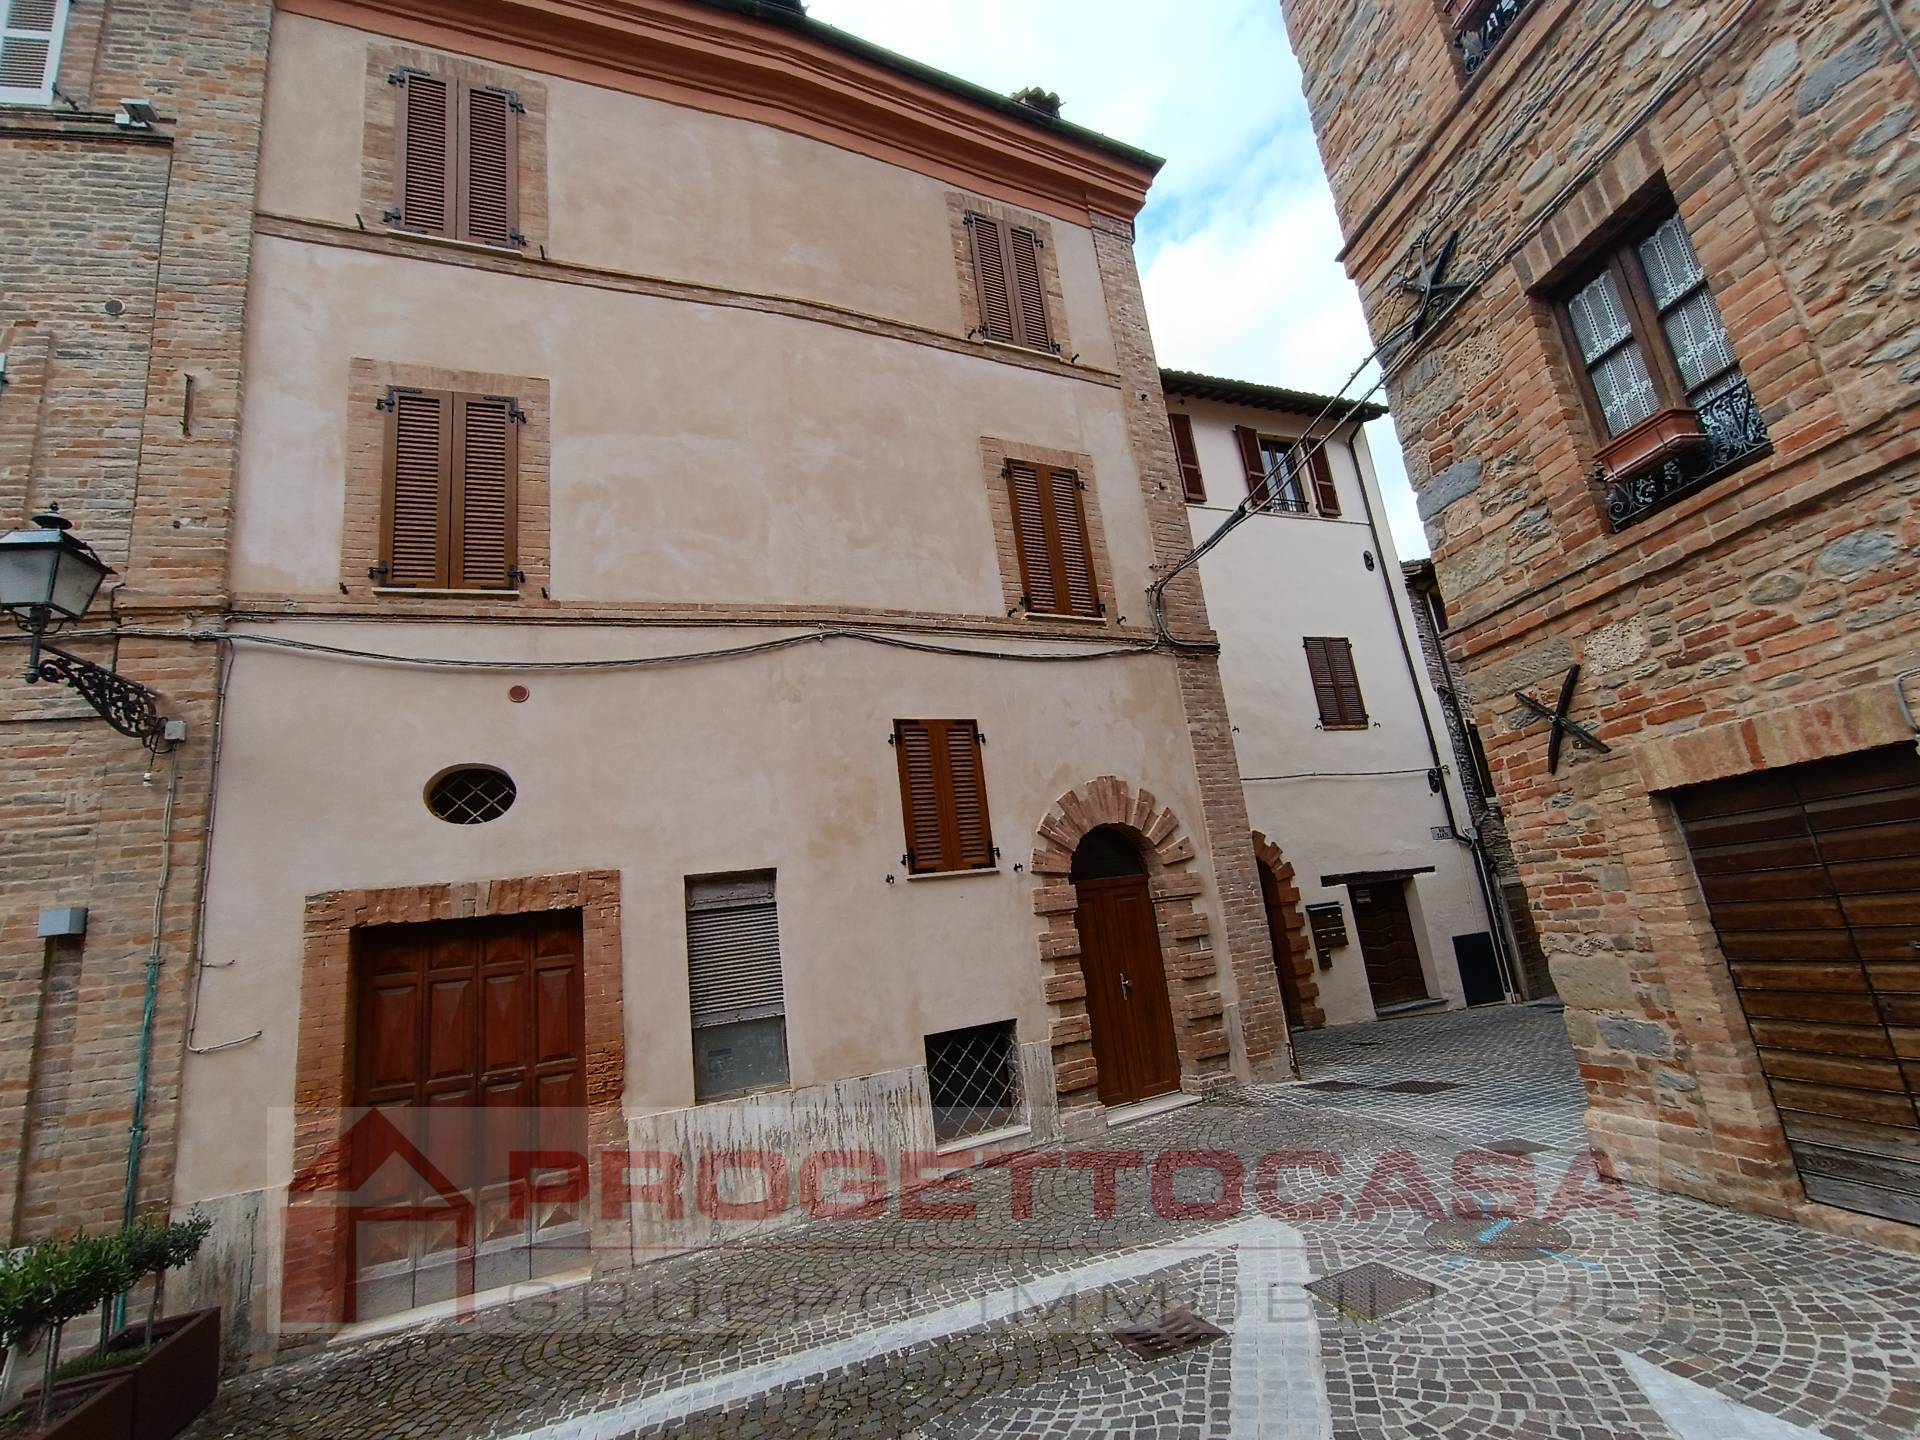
x=63, y=920
x=1327, y=923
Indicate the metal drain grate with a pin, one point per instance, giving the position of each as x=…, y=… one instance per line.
x=1491, y=1239
x=1419, y=1087
x=1371, y=1291
x=1513, y=1147
x=1173, y=1332
x=1334, y=1085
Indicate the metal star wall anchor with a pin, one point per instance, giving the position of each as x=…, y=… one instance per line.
x=1434, y=290
x=1563, y=728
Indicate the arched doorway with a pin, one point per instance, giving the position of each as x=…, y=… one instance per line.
x=1127, y=1006
x=1282, y=956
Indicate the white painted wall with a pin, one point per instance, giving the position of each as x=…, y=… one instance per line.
x=1340, y=801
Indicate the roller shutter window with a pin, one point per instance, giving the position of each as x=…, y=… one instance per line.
x=456, y=161
x=943, y=796
x=1010, y=283
x=1192, y=486
x=1050, y=536
x=450, y=514
x=735, y=986
x=30, y=49
x=1336, y=685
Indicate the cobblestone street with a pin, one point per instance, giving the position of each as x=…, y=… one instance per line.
x=1520, y=1296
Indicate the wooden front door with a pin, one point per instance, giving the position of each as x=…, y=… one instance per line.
x=1385, y=932
x=1282, y=956
x=1133, y=1042
x=1812, y=876
x=470, y=1037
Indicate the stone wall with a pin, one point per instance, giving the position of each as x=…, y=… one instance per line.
x=1760, y=618
x=125, y=279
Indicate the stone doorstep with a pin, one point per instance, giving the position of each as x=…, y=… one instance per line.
x=1120, y=1116
x=455, y=1308
x=1409, y=1007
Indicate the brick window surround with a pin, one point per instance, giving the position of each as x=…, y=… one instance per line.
x=958, y=208
x=1174, y=882
x=383, y=110
x=994, y=455
x=314, y=1276
x=367, y=385
x=1298, y=956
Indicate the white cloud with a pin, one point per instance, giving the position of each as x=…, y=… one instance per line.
x=1237, y=241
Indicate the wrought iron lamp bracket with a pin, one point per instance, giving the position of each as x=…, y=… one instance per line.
x=126, y=705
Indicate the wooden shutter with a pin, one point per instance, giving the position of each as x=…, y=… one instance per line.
x=973, y=847
x=30, y=32
x=489, y=190
x=733, y=950
x=1325, y=496
x=425, y=164
x=485, y=469
x=1191, y=485
x=1336, y=686
x=1249, y=442
x=417, y=529
x=943, y=795
x=1024, y=493
x=1050, y=537
x=1032, y=327
x=990, y=278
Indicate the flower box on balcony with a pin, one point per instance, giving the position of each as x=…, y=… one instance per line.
x=1654, y=441
x=1459, y=13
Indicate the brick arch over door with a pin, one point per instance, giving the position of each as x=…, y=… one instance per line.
x=1291, y=947
x=1174, y=882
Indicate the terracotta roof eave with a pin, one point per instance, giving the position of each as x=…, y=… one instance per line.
x=1195, y=386
x=778, y=14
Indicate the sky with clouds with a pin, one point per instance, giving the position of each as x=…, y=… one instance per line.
x=1238, y=239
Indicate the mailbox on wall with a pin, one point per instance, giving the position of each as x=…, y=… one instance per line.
x=1328, y=924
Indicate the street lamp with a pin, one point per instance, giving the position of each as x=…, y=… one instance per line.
x=48, y=577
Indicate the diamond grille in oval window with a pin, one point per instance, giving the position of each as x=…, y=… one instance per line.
x=471, y=795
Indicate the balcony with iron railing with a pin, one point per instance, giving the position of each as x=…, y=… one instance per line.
x=1479, y=26
x=1731, y=433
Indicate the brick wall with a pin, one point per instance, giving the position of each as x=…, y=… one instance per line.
x=1760, y=618
x=126, y=272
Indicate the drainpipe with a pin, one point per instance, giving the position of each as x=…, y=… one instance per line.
x=1502, y=956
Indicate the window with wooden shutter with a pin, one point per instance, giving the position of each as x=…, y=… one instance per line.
x=943, y=796
x=30, y=50
x=1050, y=534
x=457, y=160
x=1010, y=283
x=1273, y=472
x=735, y=987
x=452, y=475
x=1336, y=685
x=1191, y=485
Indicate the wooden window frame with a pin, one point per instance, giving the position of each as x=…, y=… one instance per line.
x=458, y=200
x=1051, y=542
x=946, y=814
x=451, y=559
x=1672, y=426
x=42, y=94
x=1330, y=694
x=1193, y=486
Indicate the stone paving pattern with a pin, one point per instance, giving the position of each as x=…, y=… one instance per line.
x=1818, y=1330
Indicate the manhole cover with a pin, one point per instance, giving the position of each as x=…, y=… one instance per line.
x=1173, y=1332
x=1491, y=1239
x=1371, y=1291
x=1420, y=1087
x=1513, y=1147
x=1333, y=1085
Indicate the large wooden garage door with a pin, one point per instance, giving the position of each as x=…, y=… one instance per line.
x=469, y=1039
x=1813, y=878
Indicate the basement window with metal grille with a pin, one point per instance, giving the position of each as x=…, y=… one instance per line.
x=471, y=795
x=973, y=1077
x=735, y=987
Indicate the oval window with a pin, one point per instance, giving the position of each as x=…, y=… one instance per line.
x=471, y=795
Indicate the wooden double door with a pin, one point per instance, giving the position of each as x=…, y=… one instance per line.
x=1387, y=944
x=470, y=1171
x=1812, y=876
x=1127, y=1004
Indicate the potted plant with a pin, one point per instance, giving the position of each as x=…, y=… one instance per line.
x=41, y=1289
x=175, y=1361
